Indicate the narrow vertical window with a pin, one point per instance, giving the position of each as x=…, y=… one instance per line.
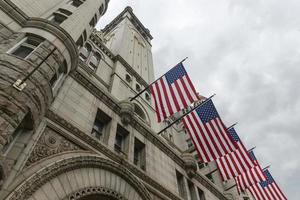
x=121, y=145
x=181, y=185
x=139, y=157
x=201, y=194
x=192, y=190
x=94, y=61
x=100, y=125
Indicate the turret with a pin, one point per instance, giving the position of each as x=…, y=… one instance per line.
x=38, y=51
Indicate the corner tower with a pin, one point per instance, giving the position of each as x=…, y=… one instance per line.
x=39, y=48
x=127, y=37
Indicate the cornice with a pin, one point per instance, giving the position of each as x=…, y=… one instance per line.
x=97, y=41
x=130, y=70
x=135, y=21
x=13, y=11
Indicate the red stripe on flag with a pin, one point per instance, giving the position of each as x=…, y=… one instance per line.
x=167, y=99
x=160, y=100
x=180, y=94
x=186, y=90
x=155, y=103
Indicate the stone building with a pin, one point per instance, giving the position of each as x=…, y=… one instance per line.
x=67, y=129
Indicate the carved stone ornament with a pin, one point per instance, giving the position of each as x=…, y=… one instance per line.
x=127, y=111
x=189, y=164
x=101, y=191
x=72, y=162
x=50, y=143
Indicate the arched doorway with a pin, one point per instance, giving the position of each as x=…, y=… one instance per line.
x=78, y=176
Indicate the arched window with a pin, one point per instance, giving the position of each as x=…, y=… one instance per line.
x=139, y=111
x=94, y=61
x=128, y=78
x=138, y=87
x=85, y=51
x=147, y=96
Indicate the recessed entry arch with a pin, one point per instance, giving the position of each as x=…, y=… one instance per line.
x=79, y=176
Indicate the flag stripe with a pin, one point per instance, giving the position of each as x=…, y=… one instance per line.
x=173, y=92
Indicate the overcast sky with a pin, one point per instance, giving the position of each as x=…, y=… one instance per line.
x=248, y=53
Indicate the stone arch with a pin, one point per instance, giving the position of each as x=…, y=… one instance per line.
x=64, y=176
x=141, y=112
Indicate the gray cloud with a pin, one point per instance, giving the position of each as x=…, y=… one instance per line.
x=248, y=53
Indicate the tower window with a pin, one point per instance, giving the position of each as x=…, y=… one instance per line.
x=121, y=140
x=85, y=51
x=138, y=87
x=58, y=18
x=27, y=46
x=100, y=124
x=64, y=11
x=147, y=96
x=128, y=78
x=94, y=61
x=139, y=154
x=76, y=3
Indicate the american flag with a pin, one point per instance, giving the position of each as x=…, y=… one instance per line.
x=250, y=177
x=208, y=133
x=173, y=92
x=267, y=190
x=236, y=162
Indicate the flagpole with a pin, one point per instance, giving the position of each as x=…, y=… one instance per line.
x=146, y=88
x=201, y=104
x=266, y=167
x=232, y=126
x=251, y=149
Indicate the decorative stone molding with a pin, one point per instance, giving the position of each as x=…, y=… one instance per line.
x=96, y=191
x=127, y=111
x=190, y=164
x=50, y=143
x=33, y=183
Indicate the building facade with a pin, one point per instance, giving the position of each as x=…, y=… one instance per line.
x=67, y=127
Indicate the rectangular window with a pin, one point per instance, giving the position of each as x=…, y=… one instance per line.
x=139, y=157
x=58, y=18
x=181, y=185
x=26, y=47
x=201, y=194
x=76, y=3
x=100, y=124
x=189, y=143
x=192, y=190
x=121, y=140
